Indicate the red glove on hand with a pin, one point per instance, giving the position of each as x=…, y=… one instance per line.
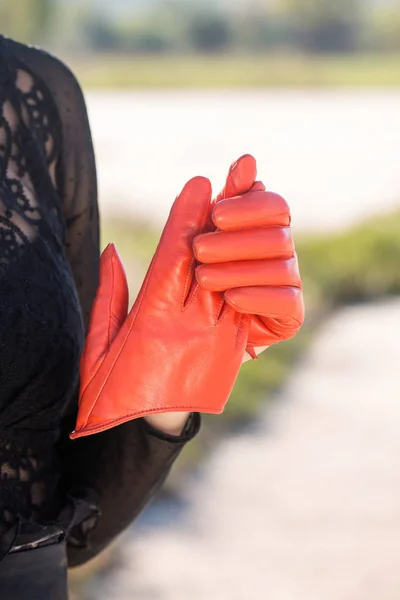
x=181, y=346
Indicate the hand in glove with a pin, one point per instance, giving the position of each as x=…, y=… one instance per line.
x=181, y=346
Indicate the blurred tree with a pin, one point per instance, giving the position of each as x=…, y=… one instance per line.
x=211, y=26
x=145, y=40
x=259, y=27
x=157, y=31
x=383, y=33
x=101, y=34
x=325, y=25
x=209, y=32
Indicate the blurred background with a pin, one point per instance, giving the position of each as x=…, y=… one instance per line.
x=294, y=492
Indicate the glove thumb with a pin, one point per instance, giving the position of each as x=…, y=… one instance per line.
x=109, y=311
x=240, y=179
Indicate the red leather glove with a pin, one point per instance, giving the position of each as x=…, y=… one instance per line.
x=181, y=346
x=179, y=349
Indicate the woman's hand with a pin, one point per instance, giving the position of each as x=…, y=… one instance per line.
x=180, y=348
x=172, y=423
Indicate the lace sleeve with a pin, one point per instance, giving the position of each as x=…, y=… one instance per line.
x=80, y=197
x=75, y=172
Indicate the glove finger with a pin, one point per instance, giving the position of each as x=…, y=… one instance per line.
x=254, y=209
x=245, y=244
x=261, y=335
x=240, y=179
x=273, y=272
x=172, y=268
x=281, y=305
x=109, y=311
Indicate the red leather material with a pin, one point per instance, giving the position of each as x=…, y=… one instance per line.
x=109, y=311
x=274, y=272
x=250, y=255
x=208, y=295
x=243, y=244
x=179, y=349
x=240, y=179
x=253, y=209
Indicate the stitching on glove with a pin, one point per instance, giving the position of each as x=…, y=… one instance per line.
x=110, y=304
x=188, y=297
x=191, y=275
x=116, y=322
x=84, y=431
x=219, y=313
x=239, y=330
x=186, y=288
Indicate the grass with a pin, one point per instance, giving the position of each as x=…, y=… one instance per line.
x=358, y=265
x=234, y=71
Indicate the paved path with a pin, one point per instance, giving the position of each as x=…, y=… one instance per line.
x=307, y=507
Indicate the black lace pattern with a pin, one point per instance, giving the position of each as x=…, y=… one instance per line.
x=41, y=331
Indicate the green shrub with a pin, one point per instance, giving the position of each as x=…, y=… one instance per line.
x=357, y=265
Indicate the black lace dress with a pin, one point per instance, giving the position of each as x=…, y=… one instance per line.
x=49, y=255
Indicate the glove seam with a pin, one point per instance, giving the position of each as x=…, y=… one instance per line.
x=188, y=299
x=257, y=285
x=219, y=313
x=245, y=225
x=240, y=329
x=231, y=258
x=85, y=431
x=110, y=304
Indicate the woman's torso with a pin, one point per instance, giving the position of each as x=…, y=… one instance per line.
x=41, y=332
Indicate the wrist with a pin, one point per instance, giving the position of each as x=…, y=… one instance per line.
x=172, y=423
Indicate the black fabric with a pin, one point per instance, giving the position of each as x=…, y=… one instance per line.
x=49, y=260
x=37, y=574
x=132, y=462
